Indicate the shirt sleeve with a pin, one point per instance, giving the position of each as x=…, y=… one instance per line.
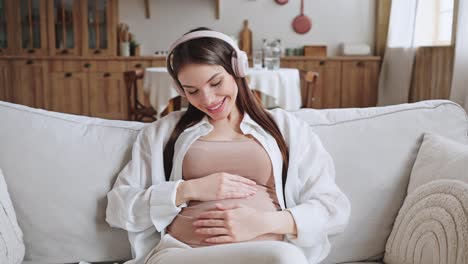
x=321, y=207
x=141, y=197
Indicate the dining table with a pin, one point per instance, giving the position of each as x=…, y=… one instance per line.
x=279, y=88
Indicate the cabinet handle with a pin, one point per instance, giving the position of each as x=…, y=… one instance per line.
x=107, y=74
x=87, y=65
x=322, y=63
x=31, y=51
x=138, y=65
x=64, y=51
x=29, y=62
x=360, y=64
x=68, y=74
x=97, y=51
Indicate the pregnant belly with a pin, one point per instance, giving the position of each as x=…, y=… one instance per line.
x=182, y=229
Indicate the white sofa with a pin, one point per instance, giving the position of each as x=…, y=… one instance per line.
x=59, y=167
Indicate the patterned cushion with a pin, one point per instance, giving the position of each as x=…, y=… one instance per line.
x=432, y=226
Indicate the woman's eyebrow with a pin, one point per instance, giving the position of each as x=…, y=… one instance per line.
x=211, y=78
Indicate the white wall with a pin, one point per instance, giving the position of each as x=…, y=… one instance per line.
x=333, y=21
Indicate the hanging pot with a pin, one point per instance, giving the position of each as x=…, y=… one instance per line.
x=281, y=2
x=302, y=24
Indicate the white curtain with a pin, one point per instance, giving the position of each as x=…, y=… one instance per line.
x=397, y=66
x=459, y=92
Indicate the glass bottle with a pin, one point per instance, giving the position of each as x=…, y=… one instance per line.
x=264, y=46
x=272, y=55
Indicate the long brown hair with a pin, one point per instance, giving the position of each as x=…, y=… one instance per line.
x=214, y=51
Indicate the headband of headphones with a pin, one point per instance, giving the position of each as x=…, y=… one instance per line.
x=239, y=59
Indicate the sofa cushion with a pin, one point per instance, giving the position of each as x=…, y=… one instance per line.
x=432, y=225
x=439, y=158
x=11, y=237
x=430, y=216
x=374, y=150
x=59, y=169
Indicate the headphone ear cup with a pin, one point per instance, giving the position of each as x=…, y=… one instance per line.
x=234, y=63
x=240, y=63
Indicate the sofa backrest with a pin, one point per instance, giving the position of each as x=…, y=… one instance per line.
x=374, y=150
x=59, y=168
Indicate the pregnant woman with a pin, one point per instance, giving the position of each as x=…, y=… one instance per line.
x=225, y=181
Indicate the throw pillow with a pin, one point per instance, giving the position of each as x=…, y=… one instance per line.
x=432, y=225
x=11, y=238
x=439, y=158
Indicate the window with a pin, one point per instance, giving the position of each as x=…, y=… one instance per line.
x=444, y=22
x=434, y=21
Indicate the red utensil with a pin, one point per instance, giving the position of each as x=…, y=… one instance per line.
x=302, y=23
x=281, y=2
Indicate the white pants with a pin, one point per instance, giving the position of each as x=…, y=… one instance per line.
x=172, y=251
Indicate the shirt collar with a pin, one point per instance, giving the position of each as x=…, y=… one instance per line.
x=247, y=122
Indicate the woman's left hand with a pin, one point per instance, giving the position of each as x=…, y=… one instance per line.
x=230, y=224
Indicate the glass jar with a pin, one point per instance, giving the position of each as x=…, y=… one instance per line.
x=272, y=55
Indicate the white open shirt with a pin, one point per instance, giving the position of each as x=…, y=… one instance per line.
x=143, y=202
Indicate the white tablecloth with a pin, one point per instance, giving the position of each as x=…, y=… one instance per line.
x=283, y=85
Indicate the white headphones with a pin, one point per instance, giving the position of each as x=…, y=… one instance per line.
x=239, y=60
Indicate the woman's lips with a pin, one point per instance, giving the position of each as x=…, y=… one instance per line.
x=217, y=108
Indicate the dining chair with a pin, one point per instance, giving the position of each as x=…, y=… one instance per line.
x=137, y=111
x=174, y=104
x=308, y=87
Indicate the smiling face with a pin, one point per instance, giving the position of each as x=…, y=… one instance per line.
x=210, y=89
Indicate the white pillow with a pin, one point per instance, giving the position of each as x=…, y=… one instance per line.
x=432, y=225
x=11, y=237
x=439, y=158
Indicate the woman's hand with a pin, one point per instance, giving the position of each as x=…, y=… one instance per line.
x=230, y=224
x=219, y=186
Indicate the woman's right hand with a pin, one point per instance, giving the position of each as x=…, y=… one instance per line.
x=219, y=186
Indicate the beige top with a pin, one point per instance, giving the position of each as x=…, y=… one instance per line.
x=246, y=158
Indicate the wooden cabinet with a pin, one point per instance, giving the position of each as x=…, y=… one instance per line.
x=31, y=21
x=100, y=27
x=29, y=79
x=342, y=82
x=107, y=95
x=5, y=81
x=93, y=88
x=432, y=73
x=7, y=29
x=83, y=27
x=64, y=27
x=58, y=27
x=68, y=93
x=359, y=83
x=328, y=86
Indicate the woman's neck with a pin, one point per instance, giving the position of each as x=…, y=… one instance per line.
x=231, y=122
